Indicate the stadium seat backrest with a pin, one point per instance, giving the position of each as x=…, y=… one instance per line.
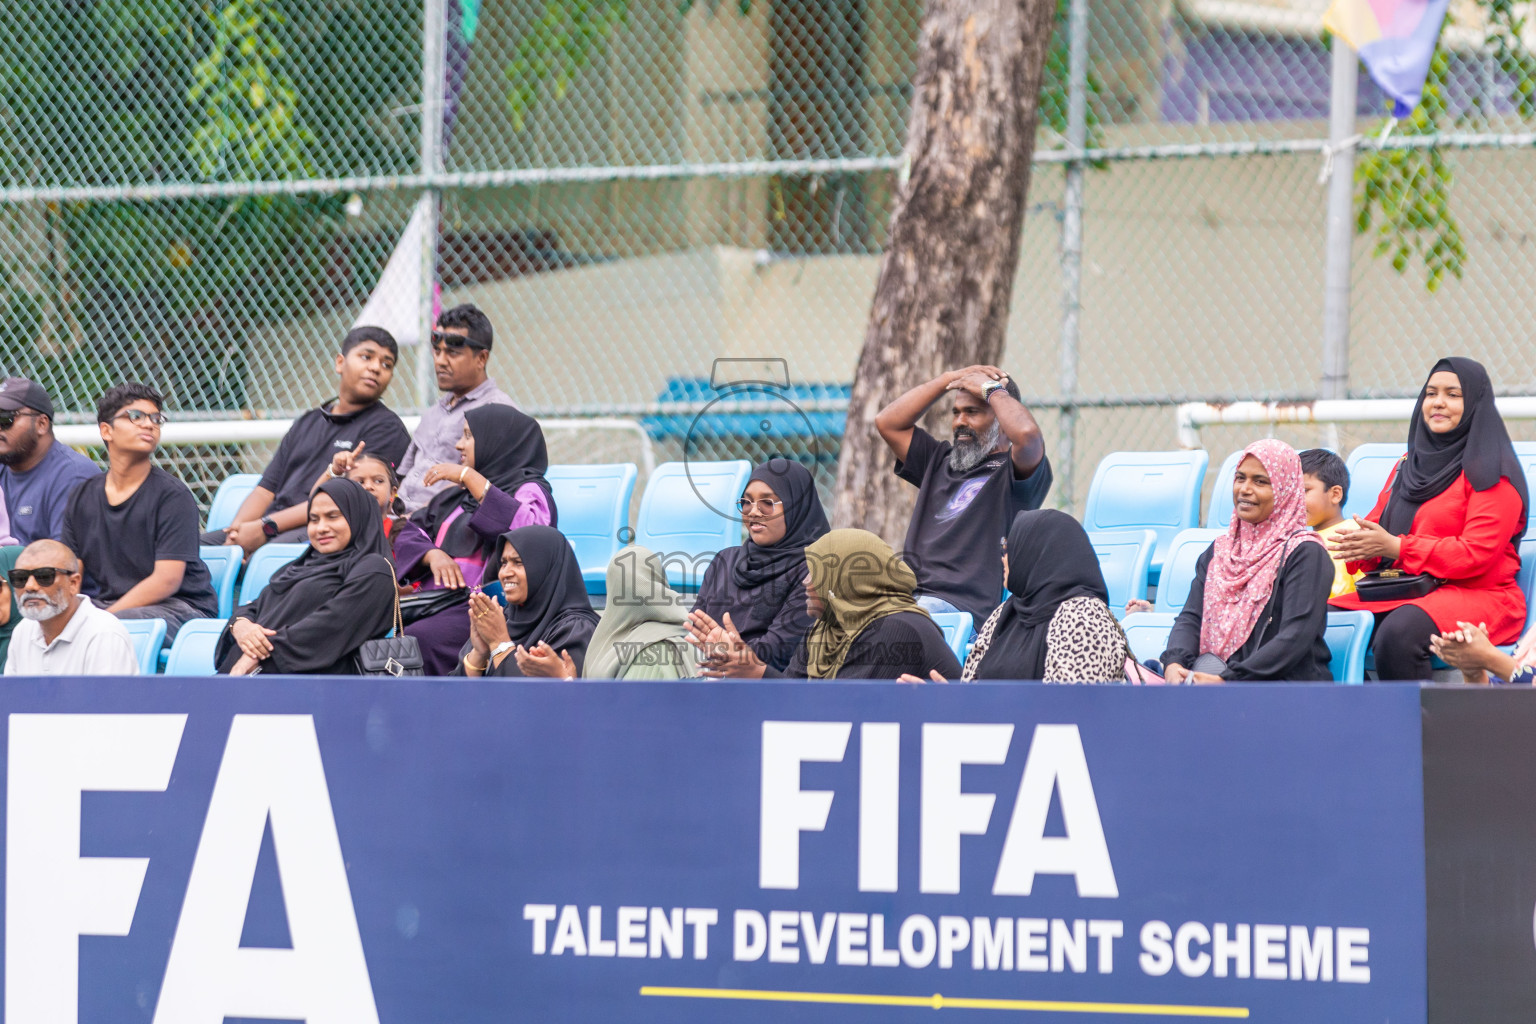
x=1219, y=512
x=1148, y=633
x=148, y=637
x=193, y=649
x=1158, y=491
x=267, y=560
x=688, y=513
x=593, y=507
x=1525, y=451
x=1527, y=579
x=223, y=564
x=1369, y=466
x=1349, y=636
x=229, y=497
x=1124, y=556
x=958, y=629
x=1179, y=569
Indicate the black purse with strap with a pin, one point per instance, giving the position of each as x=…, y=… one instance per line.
x=1392, y=584
x=397, y=655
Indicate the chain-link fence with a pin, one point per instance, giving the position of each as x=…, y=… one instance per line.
x=206, y=194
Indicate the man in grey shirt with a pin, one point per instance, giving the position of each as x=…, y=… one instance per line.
x=461, y=346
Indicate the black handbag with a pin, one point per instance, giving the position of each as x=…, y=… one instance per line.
x=426, y=603
x=397, y=655
x=1395, y=585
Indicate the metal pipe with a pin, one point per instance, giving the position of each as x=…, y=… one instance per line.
x=1072, y=246
x=1191, y=416
x=1341, y=221
x=434, y=75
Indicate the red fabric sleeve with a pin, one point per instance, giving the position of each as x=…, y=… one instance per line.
x=1492, y=516
x=1372, y=564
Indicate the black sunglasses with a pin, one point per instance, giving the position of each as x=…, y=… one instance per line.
x=447, y=340
x=8, y=418
x=44, y=576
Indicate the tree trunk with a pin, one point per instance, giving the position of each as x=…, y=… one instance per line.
x=946, y=278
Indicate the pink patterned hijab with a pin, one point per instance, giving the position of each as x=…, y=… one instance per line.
x=1246, y=560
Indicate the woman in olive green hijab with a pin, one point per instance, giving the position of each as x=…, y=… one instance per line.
x=867, y=625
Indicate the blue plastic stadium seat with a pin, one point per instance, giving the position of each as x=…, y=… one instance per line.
x=1157, y=491
x=1349, y=637
x=1369, y=466
x=1124, y=556
x=224, y=566
x=1526, y=578
x=1179, y=570
x=193, y=649
x=1525, y=451
x=267, y=560
x=688, y=513
x=1148, y=633
x=593, y=502
x=148, y=637
x=229, y=497
x=1219, y=512
x=958, y=629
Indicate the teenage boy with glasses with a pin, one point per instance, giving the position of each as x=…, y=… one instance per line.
x=62, y=632
x=135, y=527
x=461, y=346
x=37, y=474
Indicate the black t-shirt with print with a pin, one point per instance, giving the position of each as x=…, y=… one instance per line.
x=954, y=542
x=119, y=544
x=315, y=438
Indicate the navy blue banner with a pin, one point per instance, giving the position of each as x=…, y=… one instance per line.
x=343, y=852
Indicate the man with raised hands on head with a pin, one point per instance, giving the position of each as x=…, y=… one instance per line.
x=357, y=418
x=969, y=487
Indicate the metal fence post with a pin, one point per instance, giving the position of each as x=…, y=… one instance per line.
x=1341, y=221
x=434, y=39
x=1072, y=248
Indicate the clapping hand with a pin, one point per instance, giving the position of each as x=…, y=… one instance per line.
x=543, y=661
x=722, y=651
x=1371, y=540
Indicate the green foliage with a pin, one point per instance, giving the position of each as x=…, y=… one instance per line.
x=1404, y=195
x=555, y=45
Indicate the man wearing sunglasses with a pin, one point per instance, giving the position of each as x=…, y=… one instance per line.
x=37, y=475
x=62, y=633
x=135, y=527
x=461, y=346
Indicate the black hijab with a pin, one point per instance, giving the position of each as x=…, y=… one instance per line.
x=1478, y=446
x=558, y=611
x=312, y=579
x=509, y=452
x=1050, y=561
x=804, y=523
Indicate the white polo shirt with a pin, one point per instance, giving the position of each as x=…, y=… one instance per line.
x=94, y=643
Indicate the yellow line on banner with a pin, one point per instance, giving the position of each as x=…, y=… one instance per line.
x=940, y=1002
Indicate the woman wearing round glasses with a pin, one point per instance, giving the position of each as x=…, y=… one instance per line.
x=758, y=584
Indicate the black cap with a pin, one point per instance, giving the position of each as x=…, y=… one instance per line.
x=20, y=393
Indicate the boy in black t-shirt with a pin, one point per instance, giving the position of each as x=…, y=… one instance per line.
x=135, y=527
x=278, y=509
x=969, y=488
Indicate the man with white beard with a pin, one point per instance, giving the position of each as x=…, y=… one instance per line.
x=63, y=633
x=969, y=488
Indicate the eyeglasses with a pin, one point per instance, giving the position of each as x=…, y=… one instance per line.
x=140, y=416
x=447, y=340
x=767, y=506
x=8, y=418
x=44, y=576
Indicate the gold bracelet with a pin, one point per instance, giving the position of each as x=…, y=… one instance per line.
x=462, y=472
x=472, y=666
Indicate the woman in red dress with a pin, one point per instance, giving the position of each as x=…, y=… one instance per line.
x=1454, y=508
